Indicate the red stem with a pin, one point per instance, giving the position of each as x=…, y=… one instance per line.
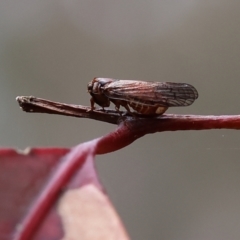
x=132, y=129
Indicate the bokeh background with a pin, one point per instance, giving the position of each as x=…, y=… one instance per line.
x=171, y=185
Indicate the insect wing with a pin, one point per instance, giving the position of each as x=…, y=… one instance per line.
x=165, y=94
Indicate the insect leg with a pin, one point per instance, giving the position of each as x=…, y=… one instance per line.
x=92, y=104
x=125, y=105
x=117, y=104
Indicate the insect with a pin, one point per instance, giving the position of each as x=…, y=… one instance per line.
x=146, y=98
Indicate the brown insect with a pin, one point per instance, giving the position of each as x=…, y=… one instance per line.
x=147, y=98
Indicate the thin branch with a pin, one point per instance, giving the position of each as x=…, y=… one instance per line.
x=39, y=105
x=137, y=126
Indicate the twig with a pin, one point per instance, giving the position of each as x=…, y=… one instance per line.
x=39, y=105
x=138, y=125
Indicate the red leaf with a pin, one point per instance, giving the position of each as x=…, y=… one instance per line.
x=22, y=177
x=55, y=194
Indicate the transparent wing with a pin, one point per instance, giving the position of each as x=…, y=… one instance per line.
x=166, y=94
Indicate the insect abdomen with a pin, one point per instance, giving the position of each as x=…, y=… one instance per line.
x=147, y=110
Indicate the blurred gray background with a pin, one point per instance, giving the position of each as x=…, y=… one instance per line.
x=171, y=185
